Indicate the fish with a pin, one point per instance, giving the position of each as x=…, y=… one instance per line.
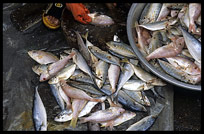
x=146, y=122
x=193, y=45
x=145, y=76
x=163, y=12
x=123, y=78
x=136, y=85
x=138, y=97
x=155, y=42
x=172, y=71
x=76, y=93
x=56, y=94
x=101, y=72
x=184, y=19
x=150, y=13
x=130, y=103
x=127, y=115
x=81, y=77
x=77, y=106
x=194, y=13
x=159, y=25
x=89, y=88
x=38, y=69
x=115, y=54
x=42, y=57
x=65, y=98
x=39, y=113
x=169, y=50
x=184, y=65
x=81, y=63
x=55, y=67
x=103, y=115
x=83, y=49
x=94, y=60
x=63, y=116
x=113, y=76
x=86, y=110
x=122, y=49
x=105, y=56
x=100, y=20
x=64, y=74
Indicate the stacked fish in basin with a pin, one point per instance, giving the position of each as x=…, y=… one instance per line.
x=169, y=37
x=81, y=79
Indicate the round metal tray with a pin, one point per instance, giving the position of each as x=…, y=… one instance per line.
x=134, y=14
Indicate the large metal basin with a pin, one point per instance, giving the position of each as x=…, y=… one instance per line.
x=134, y=14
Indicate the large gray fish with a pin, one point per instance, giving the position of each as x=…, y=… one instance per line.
x=169, y=50
x=101, y=72
x=113, y=75
x=159, y=25
x=193, y=45
x=42, y=57
x=103, y=115
x=194, y=13
x=81, y=63
x=83, y=49
x=122, y=49
x=55, y=67
x=150, y=13
x=105, y=56
x=100, y=20
x=39, y=113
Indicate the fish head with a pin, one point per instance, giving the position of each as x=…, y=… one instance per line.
x=63, y=116
x=32, y=53
x=44, y=76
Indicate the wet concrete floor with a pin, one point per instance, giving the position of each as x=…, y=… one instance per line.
x=18, y=76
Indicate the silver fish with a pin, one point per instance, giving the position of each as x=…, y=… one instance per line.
x=83, y=49
x=193, y=45
x=100, y=20
x=39, y=113
x=159, y=25
x=150, y=13
x=42, y=57
x=113, y=76
x=101, y=72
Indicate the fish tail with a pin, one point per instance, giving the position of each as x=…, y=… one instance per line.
x=85, y=36
x=73, y=122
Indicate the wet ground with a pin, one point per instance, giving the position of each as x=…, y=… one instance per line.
x=19, y=79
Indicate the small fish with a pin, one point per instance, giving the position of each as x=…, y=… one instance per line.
x=127, y=115
x=122, y=49
x=65, y=98
x=83, y=48
x=38, y=69
x=55, y=67
x=100, y=20
x=81, y=77
x=86, y=110
x=163, y=12
x=103, y=115
x=194, y=13
x=159, y=25
x=76, y=93
x=193, y=45
x=64, y=74
x=113, y=76
x=150, y=13
x=169, y=50
x=101, y=72
x=77, y=106
x=105, y=56
x=56, y=94
x=42, y=57
x=39, y=113
x=184, y=65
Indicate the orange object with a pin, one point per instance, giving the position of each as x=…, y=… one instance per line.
x=79, y=11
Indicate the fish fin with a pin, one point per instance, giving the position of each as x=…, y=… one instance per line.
x=85, y=36
x=73, y=122
x=112, y=104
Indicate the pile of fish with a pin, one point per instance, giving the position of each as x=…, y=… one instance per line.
x=169, y=37
x=84, y=77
